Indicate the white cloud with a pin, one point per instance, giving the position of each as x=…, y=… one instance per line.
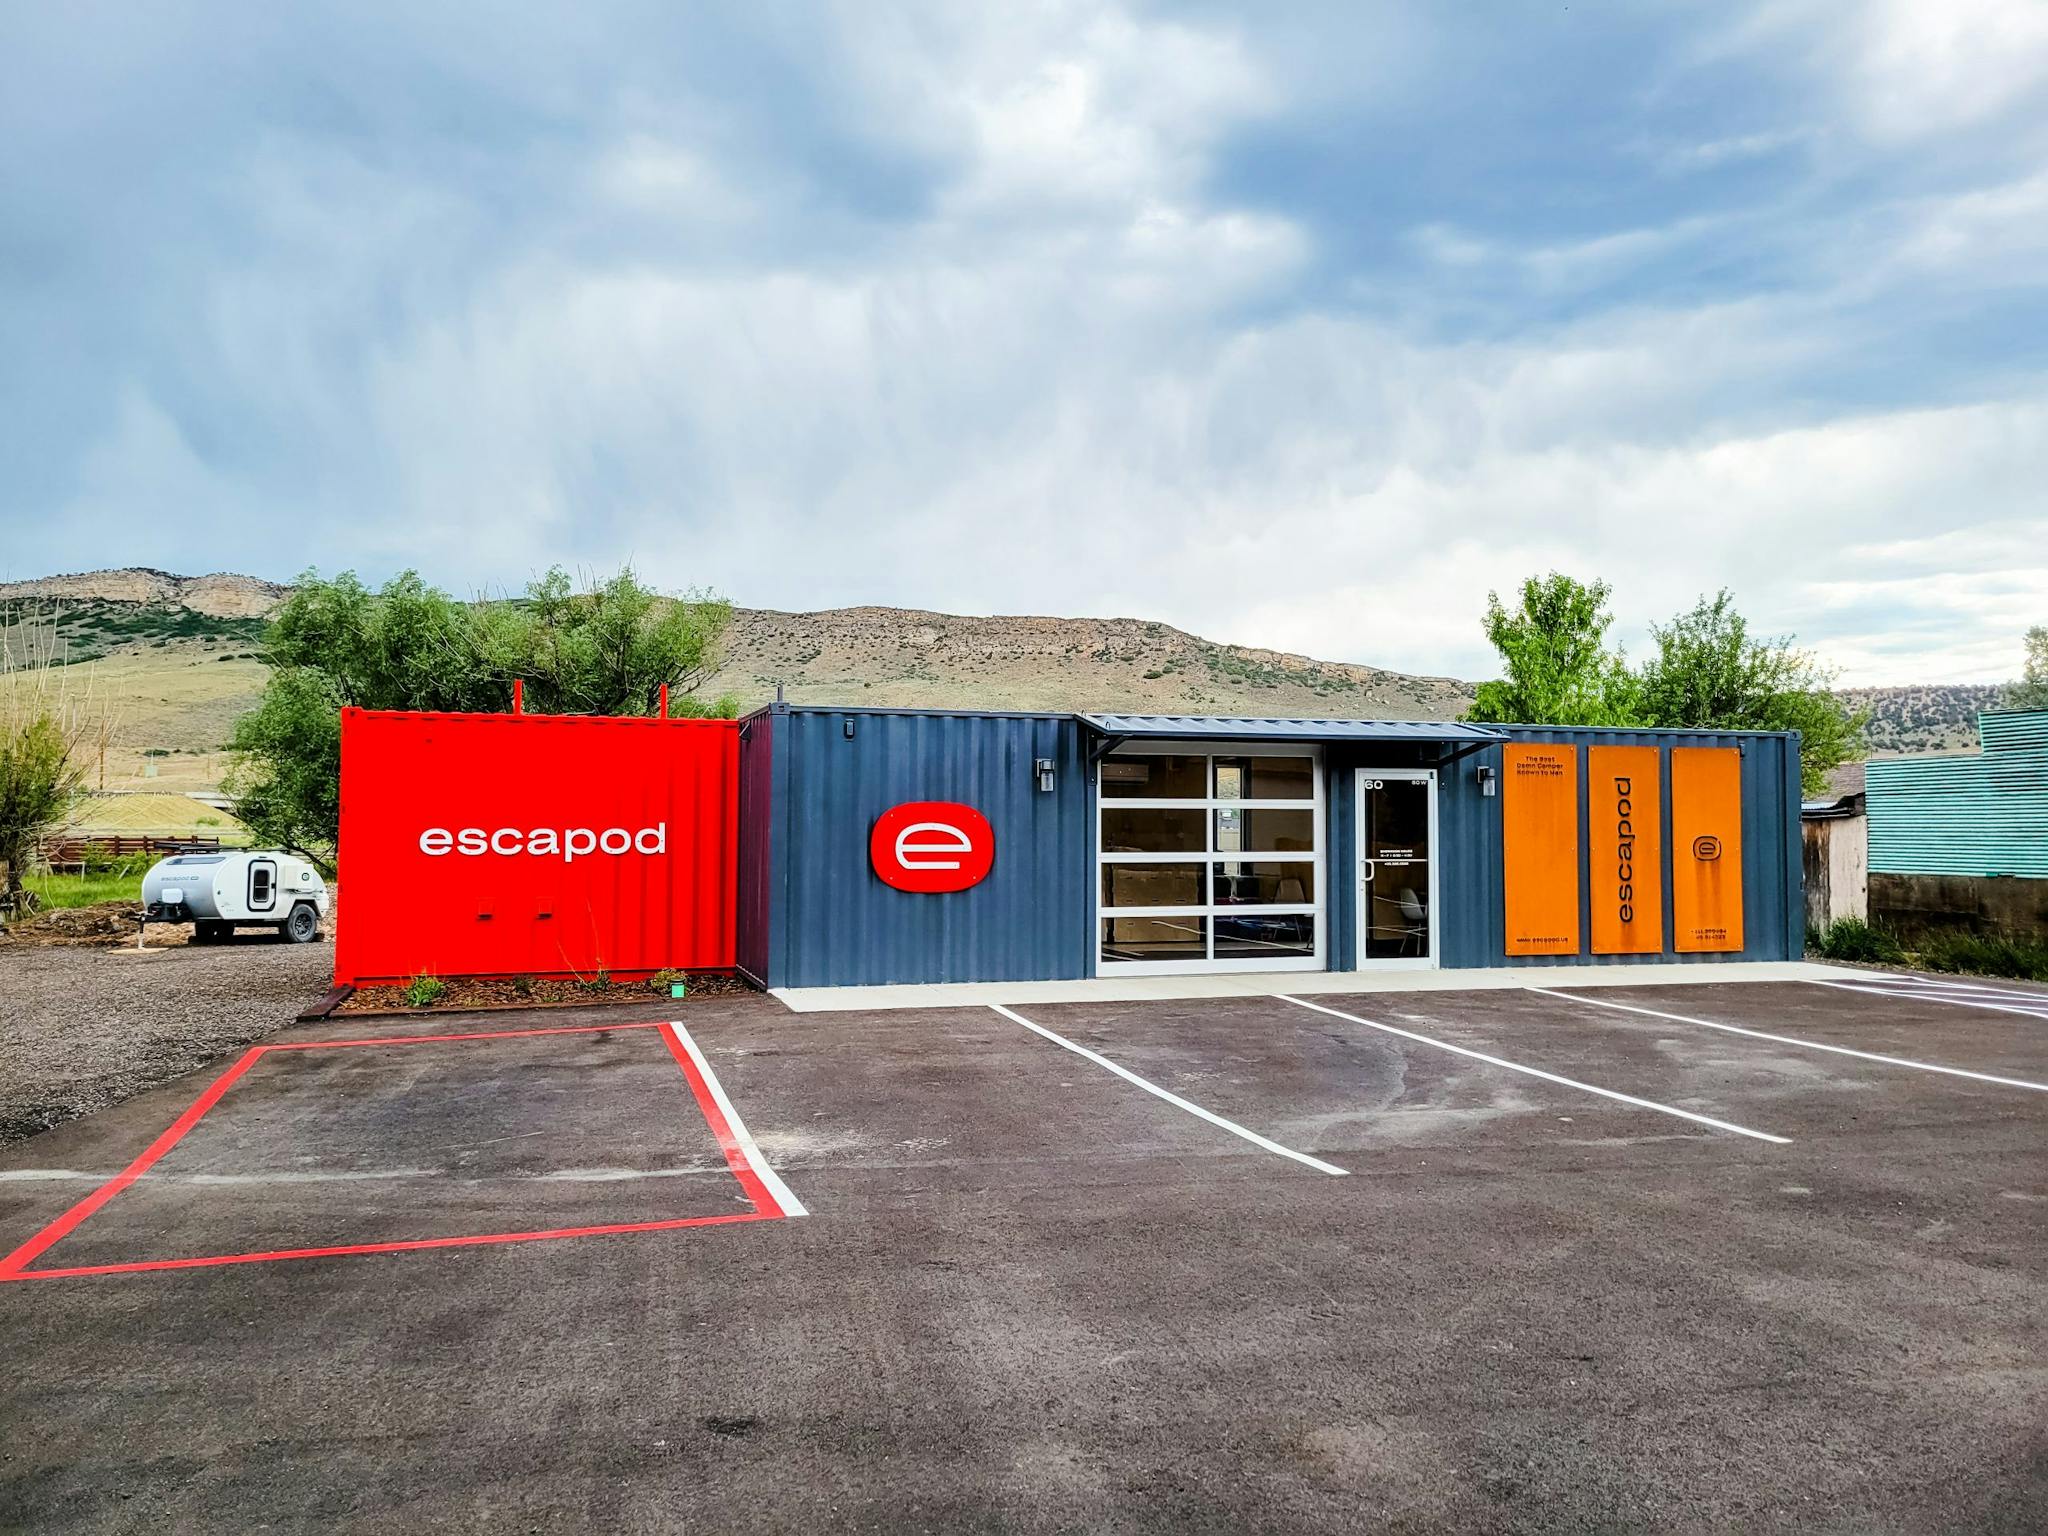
x=1929, y=66
x=1999, y=231
x=1067, y=373
x=1005, y=439
x=1900, y=71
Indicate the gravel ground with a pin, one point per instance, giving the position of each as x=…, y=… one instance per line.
x=85, y=1027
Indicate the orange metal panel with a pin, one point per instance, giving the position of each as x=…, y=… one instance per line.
x=1540, y=843
x=1706, y=849
x=1625, y=803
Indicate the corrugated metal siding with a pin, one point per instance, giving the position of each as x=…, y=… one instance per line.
x=2013, y=730
x=505, y=910
x=814, y=914
x=834, y=923
x=1973, y=814
x=757, y=844
x=1473, y=932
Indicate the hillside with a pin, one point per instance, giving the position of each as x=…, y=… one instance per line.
x=1938, y=718
x=179, y=658
x=909, y=658
x=220, y=595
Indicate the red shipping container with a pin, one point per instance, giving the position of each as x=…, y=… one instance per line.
x=541, y=845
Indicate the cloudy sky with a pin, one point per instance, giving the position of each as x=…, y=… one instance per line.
x=1293, y=324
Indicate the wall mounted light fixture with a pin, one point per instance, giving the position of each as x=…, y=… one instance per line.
x=1488, y=780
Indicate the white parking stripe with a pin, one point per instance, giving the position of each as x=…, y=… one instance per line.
x=1172, y=1098
x=1953, y=1000
x=1805, y=1045
x=1929, y=981
x=1944, y=986
x=2018, y=1007
x=1548, y=1077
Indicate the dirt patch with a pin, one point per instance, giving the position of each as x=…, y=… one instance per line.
x=86, y=1024
x=465, y=993
x=108, y=922
x=112, y=924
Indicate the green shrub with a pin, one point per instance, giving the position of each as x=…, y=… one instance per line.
x=661, y=981
x=522, y=986
x=423, y=991
x=1851, y=938
x=599, y=981
x=1996, y=954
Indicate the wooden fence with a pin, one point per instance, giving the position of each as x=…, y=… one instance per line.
x=74, y=853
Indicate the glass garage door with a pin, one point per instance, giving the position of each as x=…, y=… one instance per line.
x=1210, y=861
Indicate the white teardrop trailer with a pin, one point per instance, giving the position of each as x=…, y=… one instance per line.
x=219, y=892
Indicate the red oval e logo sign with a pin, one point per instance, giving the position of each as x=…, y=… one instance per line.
x=932, y=846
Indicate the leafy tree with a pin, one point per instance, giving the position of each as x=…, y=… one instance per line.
x=1710, y=673
x=2031, y=691
x=606, y=651
x=1553, y=649
x=47, y=721
x=38, y=776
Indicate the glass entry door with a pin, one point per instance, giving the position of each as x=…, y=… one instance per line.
x=1396, y=867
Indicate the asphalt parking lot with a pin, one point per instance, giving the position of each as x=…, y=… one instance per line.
x=1487, y=1260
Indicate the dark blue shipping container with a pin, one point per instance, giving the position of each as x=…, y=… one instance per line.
x=813, y=912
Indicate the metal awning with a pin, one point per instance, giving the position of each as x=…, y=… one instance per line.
x=1453, y=738
x=1242, y=728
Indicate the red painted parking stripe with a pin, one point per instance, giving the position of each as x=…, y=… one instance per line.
x=492, y=1034
x=735, y=1155
x=406, y=1246
x=11, y=1267
x=731, y=1138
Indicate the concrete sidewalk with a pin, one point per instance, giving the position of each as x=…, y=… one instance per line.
x=1139, y=989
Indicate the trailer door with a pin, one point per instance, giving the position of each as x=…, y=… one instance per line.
x=262, y=885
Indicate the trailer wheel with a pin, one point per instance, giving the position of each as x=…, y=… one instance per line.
x=303, y=926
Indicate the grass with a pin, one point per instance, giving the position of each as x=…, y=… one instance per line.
x=153, y=815
x=1986, y=954
x=87, y=890
x=177, y=700
x=2017, y=956
x=1850, y=938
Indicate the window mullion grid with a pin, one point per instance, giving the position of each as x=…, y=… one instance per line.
x=1209, y=858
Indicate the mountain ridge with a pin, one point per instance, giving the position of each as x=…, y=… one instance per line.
x=151, y=620
x=869, y=654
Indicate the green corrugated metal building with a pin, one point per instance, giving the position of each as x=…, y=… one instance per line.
x=1981, y=813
